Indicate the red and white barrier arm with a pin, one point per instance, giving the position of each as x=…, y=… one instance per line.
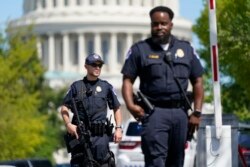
x=215, y=67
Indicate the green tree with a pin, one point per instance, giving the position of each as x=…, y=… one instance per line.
x=29, y=121
x=233, y=23
x=54, y=134
x=20, y=77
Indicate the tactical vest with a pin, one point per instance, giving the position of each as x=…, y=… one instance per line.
x=156, y=78
x=94, y=98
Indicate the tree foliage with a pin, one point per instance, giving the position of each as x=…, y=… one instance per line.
x=54, y=134
x=233, y=24
x=29, y=126
x=20, y=76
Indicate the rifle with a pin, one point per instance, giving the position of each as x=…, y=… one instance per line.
x=84, y=136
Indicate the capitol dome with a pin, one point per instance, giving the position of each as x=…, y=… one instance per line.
x=69, y=30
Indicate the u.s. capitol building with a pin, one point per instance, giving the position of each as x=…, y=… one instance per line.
x=69, y=30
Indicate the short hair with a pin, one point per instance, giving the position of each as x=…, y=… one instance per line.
x=162, y=9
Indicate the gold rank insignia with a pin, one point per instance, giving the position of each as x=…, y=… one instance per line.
x=153, y=56
x=179, y=53
x=98, y=89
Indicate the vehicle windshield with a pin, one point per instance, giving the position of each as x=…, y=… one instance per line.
x=244, y=138
x=134, y=129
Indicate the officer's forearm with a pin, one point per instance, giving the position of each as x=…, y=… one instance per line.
x=65, y=115
x=118, y=116
x=127, y=92
x=198, y=93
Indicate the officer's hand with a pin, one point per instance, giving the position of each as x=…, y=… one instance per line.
x=194, y=120
x=193, y=123
x=118, y=135
x=72, y=129
x=137, y=111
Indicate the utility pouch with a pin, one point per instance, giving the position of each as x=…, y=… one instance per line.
x=98, y=128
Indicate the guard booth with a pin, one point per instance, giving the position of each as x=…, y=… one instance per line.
x=214, y=152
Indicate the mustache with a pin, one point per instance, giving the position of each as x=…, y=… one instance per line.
x=160, y=39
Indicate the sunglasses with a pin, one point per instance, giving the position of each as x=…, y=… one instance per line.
x=96, y=65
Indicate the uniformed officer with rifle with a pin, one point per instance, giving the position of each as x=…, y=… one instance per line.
x=90, y=130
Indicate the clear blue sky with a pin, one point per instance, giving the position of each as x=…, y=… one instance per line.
x=11, y=9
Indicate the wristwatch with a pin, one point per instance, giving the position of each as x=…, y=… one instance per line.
x=197, y=114
x=118, y=127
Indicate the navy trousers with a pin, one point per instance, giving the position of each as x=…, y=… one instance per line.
x=164, y=136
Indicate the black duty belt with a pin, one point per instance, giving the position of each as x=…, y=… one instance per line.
x=169, y=103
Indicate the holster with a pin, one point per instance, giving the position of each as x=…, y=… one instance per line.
x=111, y=161
x=142, y=101
x=66, y=140
x=109, y=127
x=137, y=100
x=71, y=142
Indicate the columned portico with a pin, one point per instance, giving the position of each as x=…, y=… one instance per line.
x=81, y=51
x=66, y=58
x=113, y=53
x=59, y=3
x=129, y=41
x=49, y=4
x=111, y=2
x=69, y=30
x=39, y=48
x=62, y=49
x=97, y=43
x=51, y=53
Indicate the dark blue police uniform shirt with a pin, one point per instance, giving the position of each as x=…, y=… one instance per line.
x=146, y=60
x=102, y=95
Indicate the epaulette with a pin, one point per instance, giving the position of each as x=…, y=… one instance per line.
x=104, y=81
x=183, y=41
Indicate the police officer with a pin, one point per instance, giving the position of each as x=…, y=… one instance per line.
x=164, y=65
x=96, y=94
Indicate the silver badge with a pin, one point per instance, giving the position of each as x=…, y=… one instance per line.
x=98, y=89
x=179, y=53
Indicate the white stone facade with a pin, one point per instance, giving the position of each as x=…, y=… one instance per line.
x=69, y=30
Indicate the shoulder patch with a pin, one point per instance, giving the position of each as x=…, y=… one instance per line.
x=129, y=53
x=68, y=91
x=113, y=90
x=194, y=52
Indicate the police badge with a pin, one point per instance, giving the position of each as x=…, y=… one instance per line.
x=179, y=53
